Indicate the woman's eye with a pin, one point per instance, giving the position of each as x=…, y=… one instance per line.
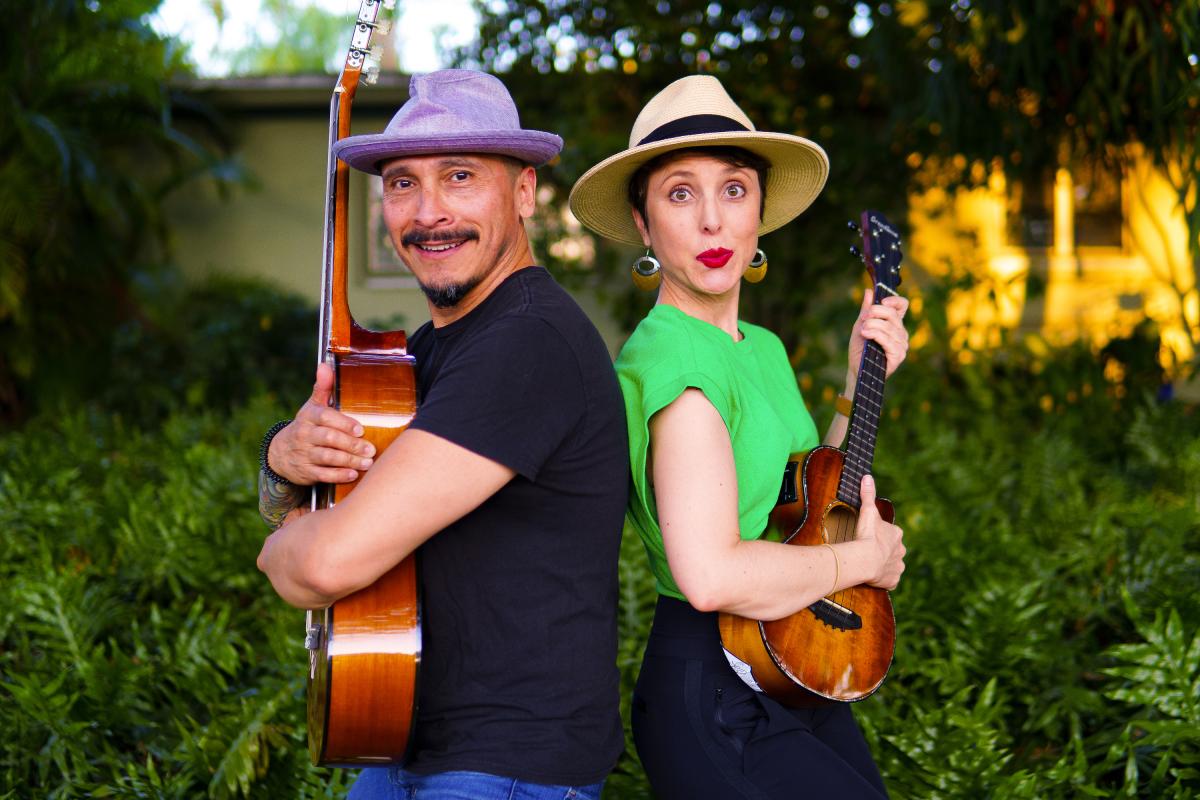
x=735, y=190
x=679, y=195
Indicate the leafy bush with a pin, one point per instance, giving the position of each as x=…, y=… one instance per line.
x=211, y=345
x=1048, y=619
x=142, y=654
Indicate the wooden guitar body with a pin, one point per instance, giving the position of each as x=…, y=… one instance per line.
x=363, y=668
x=365, y=649
x=840, y=648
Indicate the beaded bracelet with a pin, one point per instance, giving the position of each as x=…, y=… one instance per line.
x=266, y=447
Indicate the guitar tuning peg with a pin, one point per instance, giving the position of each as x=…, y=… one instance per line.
x=370, y=70
x=852, y=225
x=854, y=251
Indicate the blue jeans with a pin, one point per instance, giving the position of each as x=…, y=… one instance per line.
x=395, y=783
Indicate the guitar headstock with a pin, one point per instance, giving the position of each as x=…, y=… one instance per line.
x=363, y=57
x=880, y=252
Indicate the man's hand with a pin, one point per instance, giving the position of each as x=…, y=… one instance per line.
x=321, y=445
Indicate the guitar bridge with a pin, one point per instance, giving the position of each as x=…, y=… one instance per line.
x=836, y=615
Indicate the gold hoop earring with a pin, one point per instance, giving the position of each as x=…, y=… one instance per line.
x=758, y=267
x=646, y=272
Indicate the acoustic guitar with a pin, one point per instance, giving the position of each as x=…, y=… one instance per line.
x=364, y=649
x=840, y=648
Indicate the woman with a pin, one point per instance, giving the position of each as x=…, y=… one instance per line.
x=713, y=413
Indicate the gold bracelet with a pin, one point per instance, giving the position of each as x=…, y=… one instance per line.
x=837, y=567
x=843, y=405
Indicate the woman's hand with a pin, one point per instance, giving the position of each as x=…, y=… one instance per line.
x=886, y=538
x=882, y=324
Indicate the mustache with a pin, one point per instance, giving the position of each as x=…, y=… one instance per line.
x=438, y=237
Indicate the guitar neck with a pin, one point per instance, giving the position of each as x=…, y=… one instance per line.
x=864, y=423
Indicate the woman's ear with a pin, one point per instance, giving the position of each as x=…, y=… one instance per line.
x=641, y=226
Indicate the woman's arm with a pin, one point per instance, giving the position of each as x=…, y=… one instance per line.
x=695, y=487
x=883, y=324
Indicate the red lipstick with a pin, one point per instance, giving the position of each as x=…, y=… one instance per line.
x=715, y=258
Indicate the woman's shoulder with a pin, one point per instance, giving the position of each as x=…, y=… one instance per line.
x=662, y=339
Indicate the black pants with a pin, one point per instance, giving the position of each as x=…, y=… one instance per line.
x=702, y=733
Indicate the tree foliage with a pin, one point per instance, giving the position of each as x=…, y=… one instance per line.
x=883, y=87
x=584, y=69
x=89, y=146
x=1040, y=85
x=290, y=38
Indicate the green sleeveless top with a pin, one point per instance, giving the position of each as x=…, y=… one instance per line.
x=753, y=388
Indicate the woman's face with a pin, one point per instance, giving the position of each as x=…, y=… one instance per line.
x=702, y=224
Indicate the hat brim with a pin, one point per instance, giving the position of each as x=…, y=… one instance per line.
x=799, y=168
x=368, y=151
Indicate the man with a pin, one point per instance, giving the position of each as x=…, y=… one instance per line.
x=511, y=480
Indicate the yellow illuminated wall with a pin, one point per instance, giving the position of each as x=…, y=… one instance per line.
x=1094, y=293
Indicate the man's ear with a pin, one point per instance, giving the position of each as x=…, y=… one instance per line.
x=526, y=192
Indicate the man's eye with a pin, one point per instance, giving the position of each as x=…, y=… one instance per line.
x=460, y=176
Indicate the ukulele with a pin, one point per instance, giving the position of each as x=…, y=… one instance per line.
x=840, y=647
x=365, y=648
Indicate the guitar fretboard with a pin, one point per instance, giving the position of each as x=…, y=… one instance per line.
x=864, y=423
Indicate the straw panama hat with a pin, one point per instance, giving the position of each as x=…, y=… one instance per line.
x=696, y=111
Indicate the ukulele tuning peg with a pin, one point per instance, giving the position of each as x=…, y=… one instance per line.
x=383, y=27
x=854, y=251
x=388, y=5
x=852, y=225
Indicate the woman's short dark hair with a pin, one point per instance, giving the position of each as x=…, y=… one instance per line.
x=733, y=156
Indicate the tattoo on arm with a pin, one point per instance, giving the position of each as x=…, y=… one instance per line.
x=276, y=500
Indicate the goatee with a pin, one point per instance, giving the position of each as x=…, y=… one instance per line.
x=448, y=296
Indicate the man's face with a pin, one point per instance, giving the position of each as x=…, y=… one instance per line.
x=456, y=219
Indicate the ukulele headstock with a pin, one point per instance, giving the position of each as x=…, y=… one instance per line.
x=880, y=252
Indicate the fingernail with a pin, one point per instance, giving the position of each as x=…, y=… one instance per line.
x=358, y=430
x=368, y=449
x=366, y=462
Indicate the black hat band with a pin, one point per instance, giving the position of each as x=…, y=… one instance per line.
x=692, y=125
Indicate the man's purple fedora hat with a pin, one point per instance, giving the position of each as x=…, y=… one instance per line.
x=451, y=111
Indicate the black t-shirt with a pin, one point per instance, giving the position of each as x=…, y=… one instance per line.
x=518, y=668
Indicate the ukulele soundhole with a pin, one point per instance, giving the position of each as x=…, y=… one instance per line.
x=840, y=524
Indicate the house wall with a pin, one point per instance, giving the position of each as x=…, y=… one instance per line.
x=273, y=228
x=1090, y=293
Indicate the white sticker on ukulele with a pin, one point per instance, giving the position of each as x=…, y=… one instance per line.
x=742, y=669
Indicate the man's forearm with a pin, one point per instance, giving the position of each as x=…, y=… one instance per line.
x=277, y=500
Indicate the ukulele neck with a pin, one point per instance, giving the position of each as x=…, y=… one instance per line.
x=864, y=423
